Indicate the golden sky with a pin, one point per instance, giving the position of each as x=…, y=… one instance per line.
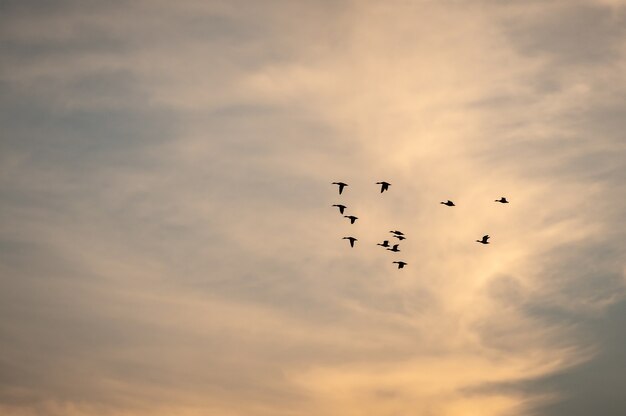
x=168, y=245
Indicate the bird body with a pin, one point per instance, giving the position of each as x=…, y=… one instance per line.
x=448, y=203
x=397, y=232
x=399, y=237
x=341, y=186
x=384, y=186
x=384, y=243
x=341, y=207
x=502, y=200
x=484, y=240
x=394, y=248
x=352, y=218
x=351, y=240
x=401, y=264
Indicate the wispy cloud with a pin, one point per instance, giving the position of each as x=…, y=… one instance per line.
x=168, y=241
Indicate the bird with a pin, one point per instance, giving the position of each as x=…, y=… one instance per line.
x=484, y=240
x=351, y=239
x=448, y=203
x=384, y=186
x=401, y=264
x=399, y=237
x=394, y=248
x=341, y=186
x=502, y=200
x=341, y=207
x=397, y=232
x=352, y=218
x=384, y=243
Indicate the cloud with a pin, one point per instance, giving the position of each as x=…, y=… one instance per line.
x=168, y=241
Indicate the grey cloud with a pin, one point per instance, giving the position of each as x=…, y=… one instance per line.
x=591, y=387
x=571, y=33
x=596, y=386
x=577, y=279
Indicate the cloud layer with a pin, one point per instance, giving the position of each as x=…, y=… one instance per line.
x=169, y=245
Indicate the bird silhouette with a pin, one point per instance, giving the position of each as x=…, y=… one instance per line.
x=399, y=237
x=384, y=186
x=484, y=240
x=401, y=264
x=394, y=248
x=341, y=207
x=384, y=243
x=341, y=186
x=502, y=200
x=352, y=218
x=448, y=203
x=397, y=232
x=351, y=239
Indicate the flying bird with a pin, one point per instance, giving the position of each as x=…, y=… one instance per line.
x=341, y=207
x=484, y=240
x=397, y=232
x=448, y=203
x=351, y=239
x=384, y=186
x=352, y=218
x=401, y=264
x=394, y=248
x=502, y=200
x=384, y=243
x=341, y=186
x=399, y=237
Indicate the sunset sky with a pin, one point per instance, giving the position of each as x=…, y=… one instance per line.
x=168, y=244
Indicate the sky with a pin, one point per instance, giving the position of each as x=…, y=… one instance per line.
x=168, y=244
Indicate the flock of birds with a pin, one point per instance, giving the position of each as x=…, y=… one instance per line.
x=384, y=186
